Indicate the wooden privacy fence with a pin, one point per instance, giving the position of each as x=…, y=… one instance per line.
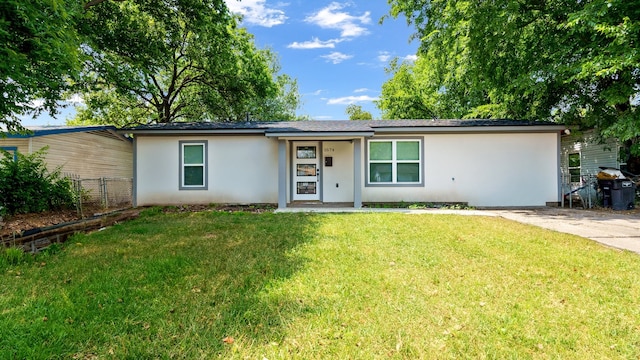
x=104, y=192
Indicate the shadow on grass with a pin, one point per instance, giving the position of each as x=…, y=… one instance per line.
x=164, y=285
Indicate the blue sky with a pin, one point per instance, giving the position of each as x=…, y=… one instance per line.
x=337, y=50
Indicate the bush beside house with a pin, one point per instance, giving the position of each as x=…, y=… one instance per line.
x=27, y=186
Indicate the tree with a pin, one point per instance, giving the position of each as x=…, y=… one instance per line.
x=569, y=61
x=355, y=112
x=283, y=105
x=40, y=58
x=165, y=61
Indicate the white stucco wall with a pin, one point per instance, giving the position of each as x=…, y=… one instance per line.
x=241, y=169
x=500, y=170
x=481, y=169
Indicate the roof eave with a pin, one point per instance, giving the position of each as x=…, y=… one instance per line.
x=315, y=134
x=472, y=129
x=174, y=132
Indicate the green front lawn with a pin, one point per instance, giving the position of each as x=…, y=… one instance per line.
x=238, y=285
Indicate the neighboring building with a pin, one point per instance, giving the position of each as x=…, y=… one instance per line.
x=484, y=163
x=583, y=155
x=80, y=151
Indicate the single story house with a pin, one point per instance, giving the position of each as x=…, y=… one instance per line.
x=483, y=163
x=80, y=151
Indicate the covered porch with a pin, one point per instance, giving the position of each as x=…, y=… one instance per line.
x=320, y=169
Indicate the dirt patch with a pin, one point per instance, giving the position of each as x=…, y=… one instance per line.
x=21, y=222
x=254, y=209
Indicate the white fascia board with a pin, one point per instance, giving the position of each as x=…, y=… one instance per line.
x=473, y=129
x=313, y=134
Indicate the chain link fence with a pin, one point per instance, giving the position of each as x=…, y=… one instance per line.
x=104, y=193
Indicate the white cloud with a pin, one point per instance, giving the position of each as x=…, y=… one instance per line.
x=348, y=100
x=336, y=57
x=315, y=43
x=361, y=90
x=411, y=58
x=323, y=117
x=331, y=17
x=384, y=56
x=256, y=12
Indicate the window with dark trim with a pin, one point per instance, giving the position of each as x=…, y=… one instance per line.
x=394, y=162
x=193, y=165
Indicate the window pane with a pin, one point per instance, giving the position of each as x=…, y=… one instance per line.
x=306, y=152
x=306, y=170
x=306, y=188
x=574, y=160
x=193, y=154
x=379, y=150
x=409, y=172
x=380, y=172
x=194, y=175
x=408, y=150
x=575, y=175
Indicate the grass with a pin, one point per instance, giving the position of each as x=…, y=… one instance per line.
x=311, y=286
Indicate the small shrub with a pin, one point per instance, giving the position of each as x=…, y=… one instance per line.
x=26, y=186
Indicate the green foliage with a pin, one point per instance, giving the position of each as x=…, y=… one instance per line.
x=403, y=96
x=574, y=62
x=185, y=60
x=355, y=112
x=283, y=105
x=136, y=61
x=39, y=52
x=27, y=186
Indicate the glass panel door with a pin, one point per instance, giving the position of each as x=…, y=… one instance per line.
x=306, y=171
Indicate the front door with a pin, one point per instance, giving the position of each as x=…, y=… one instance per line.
x=306, y=171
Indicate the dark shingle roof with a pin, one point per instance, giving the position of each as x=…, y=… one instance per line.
x=327, y=126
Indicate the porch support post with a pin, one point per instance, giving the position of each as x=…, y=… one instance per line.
x=282, y=174
x=559, y=169
x=357, y=173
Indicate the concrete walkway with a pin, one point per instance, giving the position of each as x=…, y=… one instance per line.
x=615, y=229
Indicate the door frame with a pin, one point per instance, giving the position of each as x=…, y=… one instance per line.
x=315, y=179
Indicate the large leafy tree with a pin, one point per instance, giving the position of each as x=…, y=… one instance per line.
x=355, y=112
x=282, y=105
x=571, y=61
x=135, y=61
x=172, y=60
x=39, y=56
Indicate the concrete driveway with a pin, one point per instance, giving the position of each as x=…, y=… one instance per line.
x=616, y=229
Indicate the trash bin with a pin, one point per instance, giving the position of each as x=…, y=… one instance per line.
x=618, y=194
